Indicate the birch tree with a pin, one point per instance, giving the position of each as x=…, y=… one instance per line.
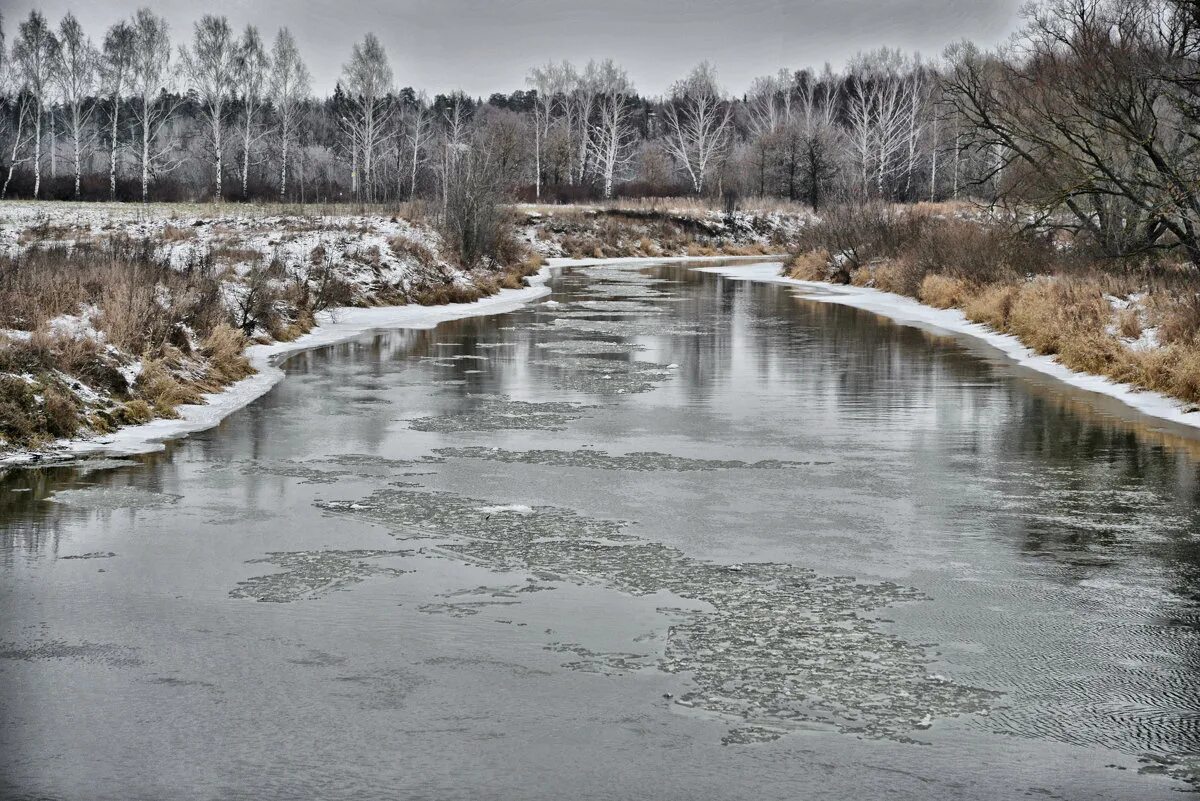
x=549, y=86
x=818, y=111
x=210, y=65
x=455, y=142
x=116, y=71
x=583, y=98
x=769, y=103
x=418, y=133
x=881, y=117
x=75, y=71
x=698, y=124
x=151, y=80
x=613, y=138
x=251, y=68
x=33, y=55
x=290, y=88
x=368, y=82
x=17, y=118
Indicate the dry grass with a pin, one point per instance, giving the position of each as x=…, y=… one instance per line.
x=1054, y=299
x=809, y=265
x=415, y=252
x=231, y=254
x=991, y=305
x=944, y=291
x=175, y=233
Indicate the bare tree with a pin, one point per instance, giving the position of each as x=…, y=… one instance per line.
x=454, y=141
x=583, y=99
x=818, y=112
x=251, y=67
x=152, y=79
x=418, y=133
x=34, y=54
x=116, y=71
x=290, y=89
x=698, y=122
x=368, y=82
x=1091, y=121
x=613, y=136
x=769, y=103
x=75, y=70
x=550, y=83
x=879, y=113
x=210, y=65
x=18, y=111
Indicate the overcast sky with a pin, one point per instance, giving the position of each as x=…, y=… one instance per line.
x=485, y=46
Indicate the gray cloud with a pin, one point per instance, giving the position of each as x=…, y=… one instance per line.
x=484, y=46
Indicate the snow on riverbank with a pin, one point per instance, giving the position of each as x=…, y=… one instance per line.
x=333, y=327
x=907, y=310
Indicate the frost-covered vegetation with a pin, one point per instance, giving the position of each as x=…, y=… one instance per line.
x=112, y=316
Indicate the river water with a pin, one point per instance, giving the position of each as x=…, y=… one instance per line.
x=659, y=535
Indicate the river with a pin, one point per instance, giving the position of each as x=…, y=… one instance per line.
x=659, y=535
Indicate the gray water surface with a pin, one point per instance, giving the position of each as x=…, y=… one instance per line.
x=664, y=536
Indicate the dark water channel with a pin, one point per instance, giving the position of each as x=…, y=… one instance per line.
x=665, y=536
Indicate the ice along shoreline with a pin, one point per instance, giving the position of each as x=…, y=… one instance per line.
x=908, y=311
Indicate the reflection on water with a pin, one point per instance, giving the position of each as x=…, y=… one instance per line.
x=683, y=536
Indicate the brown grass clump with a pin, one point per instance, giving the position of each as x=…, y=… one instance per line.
x=943, y=291
x=449, y=292
x=901, y=276
x=1184, y=375
x=648, y=247
x=991, y=305
x=1177, y=317
x=174, y=233
x=136, y=412
x=229, y=254
x=1034, y=316
x=223, y=351
x=809, y=265
x=409, y=250
x=159, y=387
x=60, y=411
x=1129, y=323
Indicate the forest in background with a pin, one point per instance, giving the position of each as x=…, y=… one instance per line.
x=1087, y=121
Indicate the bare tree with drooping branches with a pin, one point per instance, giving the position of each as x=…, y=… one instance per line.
x=152, y=79
x=34, y=55
x=250, y=75
x=613, y=137
x=211, y=65
x=116, y=74
x=75, y=71
x=290, y=88
x=698, y=121
x=367, y=79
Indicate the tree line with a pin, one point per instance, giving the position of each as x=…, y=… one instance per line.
x=1088, y=117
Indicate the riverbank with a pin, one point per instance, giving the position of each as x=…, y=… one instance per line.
x=668, y=229
x=912, y=312
x=334, y=326
x=1134, y=320
x=115, y=316
x=265, y=361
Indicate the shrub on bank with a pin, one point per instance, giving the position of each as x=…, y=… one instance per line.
x=1134, y=322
